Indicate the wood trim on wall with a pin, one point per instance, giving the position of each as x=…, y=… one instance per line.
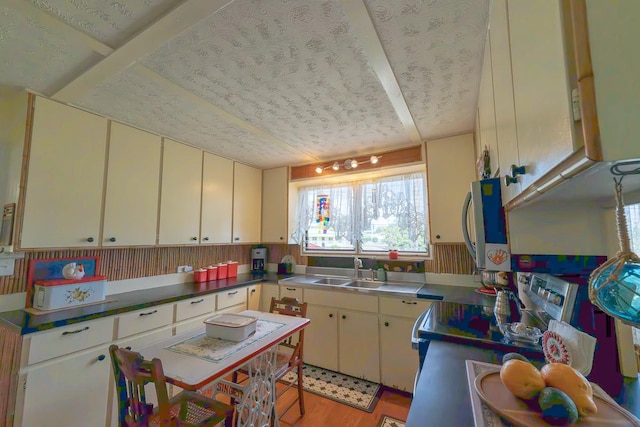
x=131, y=263
x=10, y=349
x=389, y=158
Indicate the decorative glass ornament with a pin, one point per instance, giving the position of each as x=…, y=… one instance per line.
x=615, y=286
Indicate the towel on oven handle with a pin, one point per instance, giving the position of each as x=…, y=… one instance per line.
x=581, y=346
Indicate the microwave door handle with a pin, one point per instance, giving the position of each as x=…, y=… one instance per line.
x=415, y=341
x=465, y=227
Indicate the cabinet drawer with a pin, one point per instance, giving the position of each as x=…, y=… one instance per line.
x=342, y=300
x=231, y=298
x=403, y=307
x=195, y=307
x=69, y=339
x=291, y=292
x=144, y=320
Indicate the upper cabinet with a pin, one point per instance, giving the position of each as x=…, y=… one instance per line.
x=486, y=113
x=247, y=200
x=503, y=97
x=181, y=193
x=217, y=199
x=450, y=170
x=541, y=91
x=64, y=182
x=133, y=182
x=275, y=186
x=563, y=95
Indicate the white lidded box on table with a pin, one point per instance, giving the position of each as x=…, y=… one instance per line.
x=231, y=327
x=62, y=293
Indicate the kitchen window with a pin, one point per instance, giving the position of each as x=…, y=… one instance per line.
x=365, y=217
x=633, y=220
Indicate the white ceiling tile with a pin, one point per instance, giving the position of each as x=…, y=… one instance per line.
x=129, y=98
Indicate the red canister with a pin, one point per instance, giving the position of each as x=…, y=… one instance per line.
x=200, y=276
x=222, y=271
x=232, y=268
x=212, y=272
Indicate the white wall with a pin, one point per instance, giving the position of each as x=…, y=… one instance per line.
x=13, y=108
x=575, y=229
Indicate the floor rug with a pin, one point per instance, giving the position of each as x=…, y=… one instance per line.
x=387, y=421
x=355, y=392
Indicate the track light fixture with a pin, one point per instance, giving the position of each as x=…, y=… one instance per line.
x=348, y=164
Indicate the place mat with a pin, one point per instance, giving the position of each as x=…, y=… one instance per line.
x=217, y=349
x=37, y=312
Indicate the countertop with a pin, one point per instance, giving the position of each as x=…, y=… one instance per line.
x=442, y=393
x=24, y=323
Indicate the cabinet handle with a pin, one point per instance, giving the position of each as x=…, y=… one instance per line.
x=253, y=291
x=281, y=238
x=330, y=314
x=344, y=317
x=386, y=323
x=197, y=302
x=232, y=293
x=89, y=239
x=508, y=180
x=236, y=238
x=194, y=238
x=437, y=236
x=518, y=170
x=409, y=302
x=102, y=357
x=149, y=313
x=291, y=289
x=76, y=331
x=128, y=347
x=206, y=239
x=112, y=239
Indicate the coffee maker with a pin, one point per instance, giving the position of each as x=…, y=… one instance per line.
x=258, y=260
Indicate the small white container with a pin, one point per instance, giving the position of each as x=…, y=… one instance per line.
x=62, y=293
x=231, y=327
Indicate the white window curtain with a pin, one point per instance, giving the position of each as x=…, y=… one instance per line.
x=393, y=214
x=366, y=216
x=334, y=231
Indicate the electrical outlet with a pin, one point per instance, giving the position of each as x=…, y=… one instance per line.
x=184, y=268
x=6, y=267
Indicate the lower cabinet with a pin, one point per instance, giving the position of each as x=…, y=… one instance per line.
x=269, y=290
x=253, y=297
x=358, y=345
x=321, y=337
x=399, y=362
x=70, y=391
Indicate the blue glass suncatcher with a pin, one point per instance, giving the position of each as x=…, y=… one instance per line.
x=616, y=290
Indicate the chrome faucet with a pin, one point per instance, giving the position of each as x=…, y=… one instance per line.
x=357, y=265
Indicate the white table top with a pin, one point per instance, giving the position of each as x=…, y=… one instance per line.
x=193, y=373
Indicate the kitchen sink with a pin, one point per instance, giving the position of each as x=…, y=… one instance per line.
x=333, y=281
x=365, y=284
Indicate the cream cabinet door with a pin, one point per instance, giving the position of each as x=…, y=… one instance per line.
x=398, y=361
x=503, y=98
x=63, y=195
x=133, y=179
x=180, y=196
x=358, y=345
x=486, y=112
x=247, y=203
x=321, y=337
x=217, y=199
x=269, y=290
x=454, y=159
x=275, y=196
x=540, y=86
x=70, y=392
x=253, y=297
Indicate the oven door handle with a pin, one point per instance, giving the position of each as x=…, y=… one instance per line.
x=415, y=340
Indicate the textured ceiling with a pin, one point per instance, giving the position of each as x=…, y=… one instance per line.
x=268, y=83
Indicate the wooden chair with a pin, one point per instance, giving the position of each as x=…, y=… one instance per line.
x=132, y=373
x=290, y=351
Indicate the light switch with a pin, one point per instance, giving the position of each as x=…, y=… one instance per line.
x=6, y=267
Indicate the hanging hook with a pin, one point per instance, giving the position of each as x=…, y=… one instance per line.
x=617, y=169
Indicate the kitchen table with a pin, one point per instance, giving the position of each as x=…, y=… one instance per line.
x=195, y=368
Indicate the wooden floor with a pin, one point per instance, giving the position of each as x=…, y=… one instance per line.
x=322, y=412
